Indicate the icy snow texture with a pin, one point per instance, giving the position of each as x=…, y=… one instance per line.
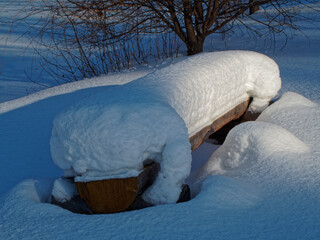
x=96, y=176
x=63, y=190
x=117, y=130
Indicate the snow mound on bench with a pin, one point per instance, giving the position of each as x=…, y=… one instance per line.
x=115, y=132
x=152, y=117
x=206, y=86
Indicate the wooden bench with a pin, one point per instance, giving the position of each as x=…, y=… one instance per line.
x=118, y=195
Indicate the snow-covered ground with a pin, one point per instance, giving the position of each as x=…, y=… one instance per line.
x=263, y=183
x=267, y=187
x=17, y=56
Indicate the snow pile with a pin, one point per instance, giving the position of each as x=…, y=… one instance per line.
x=296, y=114
x=110, y=134
x=251, y=141
x=277, y=198
x=284, y=136
x=206, y=86
x=119, y=129
x=265, y=199
x=63, y=190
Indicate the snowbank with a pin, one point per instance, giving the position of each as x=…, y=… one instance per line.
x=112, y=79
x=281, y=135
x=152, y=118
x=263, y=200
x=248, y=142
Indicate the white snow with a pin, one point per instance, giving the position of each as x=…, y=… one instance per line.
x=224, y=78
x=111, y=79
x=116, y=131
x=88, y=139
x=249, y=142
x=98, y=175
x=63, y=190
x=284, y=113
x=284, y=135
x=271, y=193
x=277, y=197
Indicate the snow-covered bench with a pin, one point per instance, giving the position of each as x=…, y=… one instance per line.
x=110, y=135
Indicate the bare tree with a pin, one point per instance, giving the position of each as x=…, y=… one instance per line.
x=96, y=36
x=191, y=20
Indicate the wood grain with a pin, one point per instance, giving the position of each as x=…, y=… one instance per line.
x=116, y=195
x=235, y=113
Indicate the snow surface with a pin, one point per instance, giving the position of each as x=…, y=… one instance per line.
x=287, y=129
x=248, y=142
x=17, y=56
x=224, y=78
x=307, y=119
x=87, y=139
x=63, y=190
x=276, y=196
x=282, y=201
x=111, y=79
x=271, y=165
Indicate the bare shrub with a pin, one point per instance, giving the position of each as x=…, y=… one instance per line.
x=86, y=38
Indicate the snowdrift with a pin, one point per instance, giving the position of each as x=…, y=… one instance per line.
x=114, y=132
x=108, y=80
x=277, y=192
x=278, y=138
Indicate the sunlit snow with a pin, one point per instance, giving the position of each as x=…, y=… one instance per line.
x=269, y=189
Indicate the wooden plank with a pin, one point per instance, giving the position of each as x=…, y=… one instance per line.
x=116, y=195
x=197, y=139
x=109, y=196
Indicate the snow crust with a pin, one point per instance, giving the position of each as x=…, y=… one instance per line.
x=96, y=176
x=117, y=130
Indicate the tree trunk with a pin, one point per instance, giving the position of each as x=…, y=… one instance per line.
x=195, y=47
x=253, y=9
